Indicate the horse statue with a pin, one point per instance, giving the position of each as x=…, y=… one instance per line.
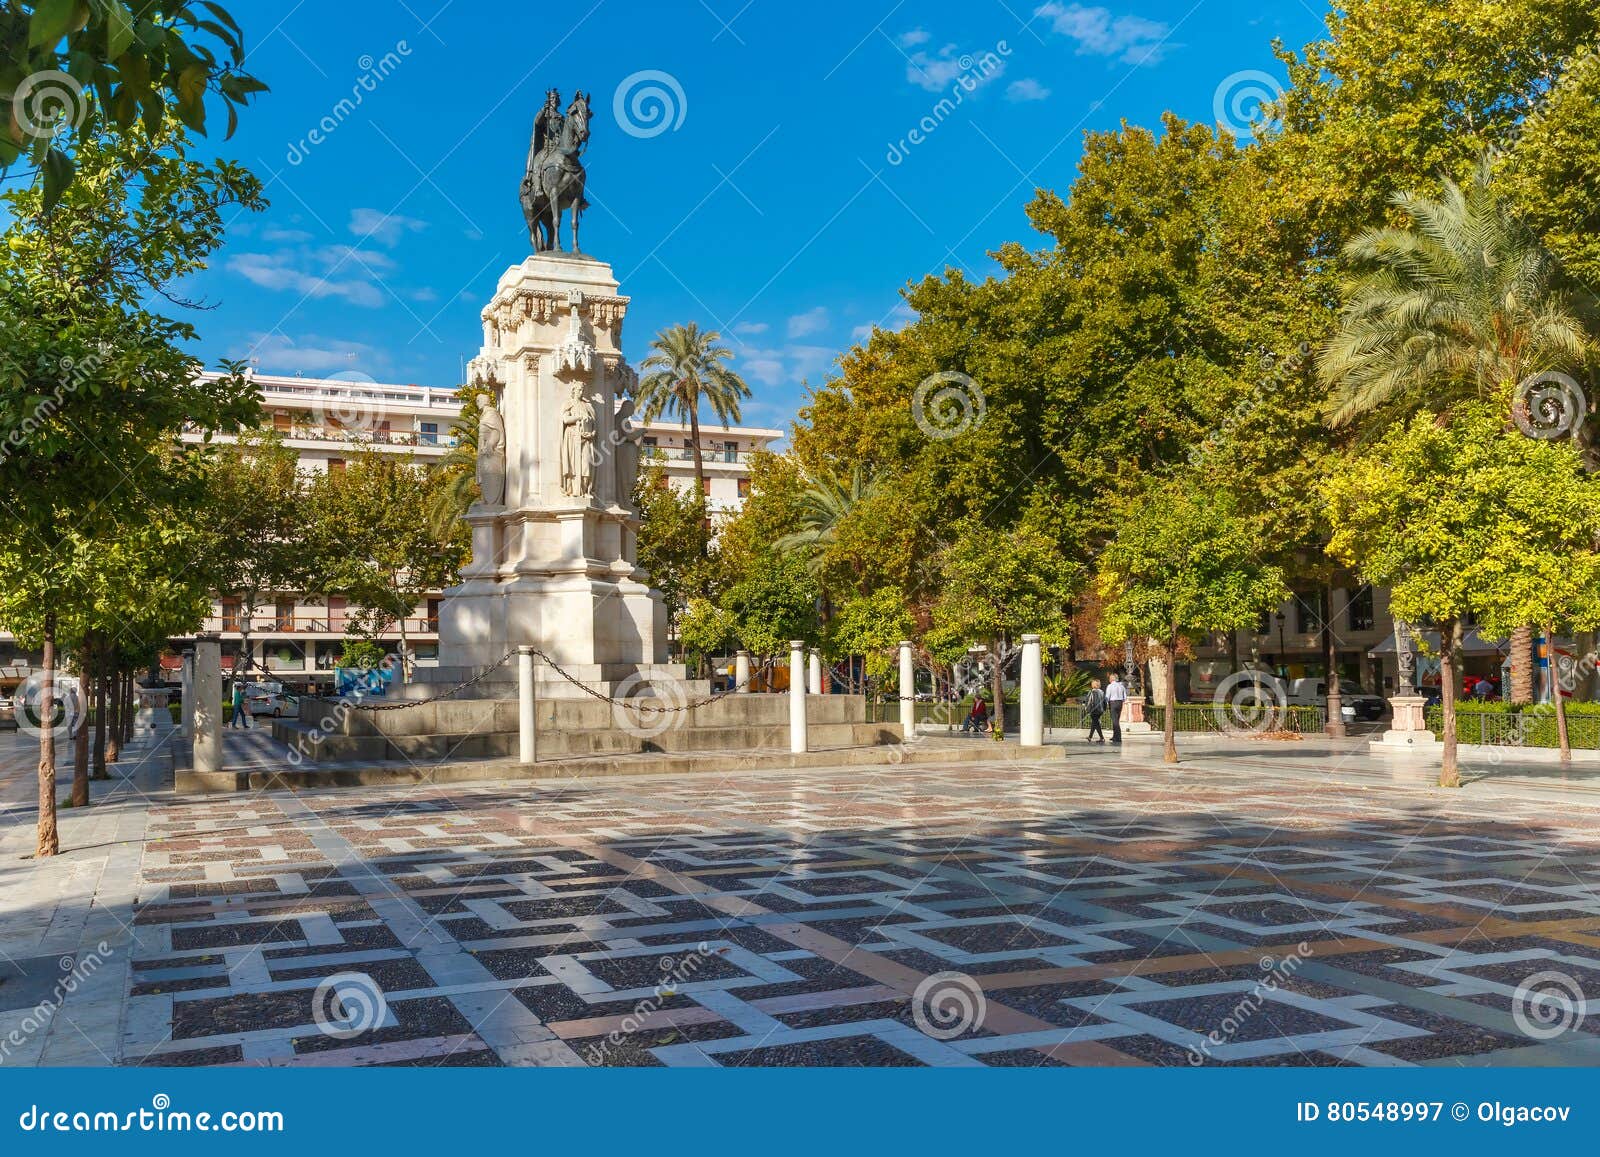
x=554, y=179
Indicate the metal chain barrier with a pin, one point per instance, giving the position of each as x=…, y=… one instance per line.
x=559, y=670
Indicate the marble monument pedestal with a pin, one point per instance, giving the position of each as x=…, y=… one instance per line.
x=1408, y=732
x=555, y=537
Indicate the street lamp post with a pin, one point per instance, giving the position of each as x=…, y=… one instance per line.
x=1283, y=650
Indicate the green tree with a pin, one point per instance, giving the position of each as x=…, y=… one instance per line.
x=686, y=368
x=997, y=583
x=672, y=539
x=456, y=472
x=1183, y=564
x=872, y=626
x=255, y=538
x=824, y=504
x=774, y=604
x=94, y=386
x=706, y=629
x=1459, y=304
x=375, y=543
x=112, y=67
x=1465, y=518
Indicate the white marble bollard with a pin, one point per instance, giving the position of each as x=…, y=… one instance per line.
x=741, y=672
x=186, y=696
x=797, y=697
x=206, y=711
x=527, y=737
x=908, y=691
x=1032, y=691
x=814, y=672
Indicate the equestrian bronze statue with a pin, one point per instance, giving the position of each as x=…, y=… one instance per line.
x=553, y=183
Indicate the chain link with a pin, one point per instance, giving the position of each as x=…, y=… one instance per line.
x=559, y=670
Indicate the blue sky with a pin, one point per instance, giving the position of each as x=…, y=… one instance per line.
x=783, y=200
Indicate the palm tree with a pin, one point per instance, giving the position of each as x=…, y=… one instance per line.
x=456, y=473
x=824, y=504
x=684, y=369
x=1461, y=303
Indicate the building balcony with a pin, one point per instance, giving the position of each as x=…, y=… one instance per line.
x=270, y=626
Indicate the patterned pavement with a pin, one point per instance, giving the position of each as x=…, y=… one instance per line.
x=1101, y=911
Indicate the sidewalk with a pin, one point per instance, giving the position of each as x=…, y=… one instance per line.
x=68, y=936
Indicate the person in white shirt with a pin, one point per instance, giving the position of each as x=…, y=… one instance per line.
x=1116, y=695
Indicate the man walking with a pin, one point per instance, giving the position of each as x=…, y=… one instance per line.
x=1094, y=705
x=240, y=719
x=1116, y=696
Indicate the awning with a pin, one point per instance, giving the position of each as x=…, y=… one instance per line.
x=1472, y=643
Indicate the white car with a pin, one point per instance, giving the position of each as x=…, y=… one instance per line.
x=270, y=699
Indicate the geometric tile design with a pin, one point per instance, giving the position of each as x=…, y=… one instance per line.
x=1119, y=915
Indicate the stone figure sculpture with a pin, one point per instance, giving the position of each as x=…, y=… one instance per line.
x=554, y=180
x=577, y=444
x=627, y=453
x=491, y=452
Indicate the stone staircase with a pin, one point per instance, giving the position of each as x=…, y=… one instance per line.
x=567, y=728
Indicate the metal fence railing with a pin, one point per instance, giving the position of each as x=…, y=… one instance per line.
x=1534, y=727
x=1209, y=717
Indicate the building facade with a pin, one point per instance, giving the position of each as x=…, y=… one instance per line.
x=298, y=637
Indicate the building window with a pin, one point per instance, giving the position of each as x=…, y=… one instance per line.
x=744, y=488
x=730, y=451
x=428, y=433
x=335, y=465
x=285, y=615
x=1361, y=614
x=230, y=614
x=1308, y=612
x=1264, y=623
x=705, y=487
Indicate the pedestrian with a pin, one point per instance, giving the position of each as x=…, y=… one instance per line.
x=239, y=719
x=978, y=718
x=1094, y=705
x=1116, y=696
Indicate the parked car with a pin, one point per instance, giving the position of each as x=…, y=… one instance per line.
x=1354, y=703
x=270, y=699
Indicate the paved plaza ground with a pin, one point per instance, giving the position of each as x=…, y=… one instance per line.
x=1265, y=903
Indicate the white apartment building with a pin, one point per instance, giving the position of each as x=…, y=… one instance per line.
x=325, y=420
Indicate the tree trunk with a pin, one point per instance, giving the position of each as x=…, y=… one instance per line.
x=1557, y=696
x=80, y=741
x=1169, y=695
x=405, y=652
x=693, y=406
x=113, y=716
x=1449, y=647
x=102, y=707
x=130, y=706
x=1334, y=725
x=1522, y=666
x=49, y=837
x=997, y=685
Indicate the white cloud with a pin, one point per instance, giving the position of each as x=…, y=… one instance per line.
x=896, y=319
x=915, y=37
x=277, y=271
x=1098, y=32
x=807, y=323
x=787, y=365
x=1026, y=89
x=384, y=228
x=288, y=236
x=938, y=73
x=750, y=328
x=278, y=353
